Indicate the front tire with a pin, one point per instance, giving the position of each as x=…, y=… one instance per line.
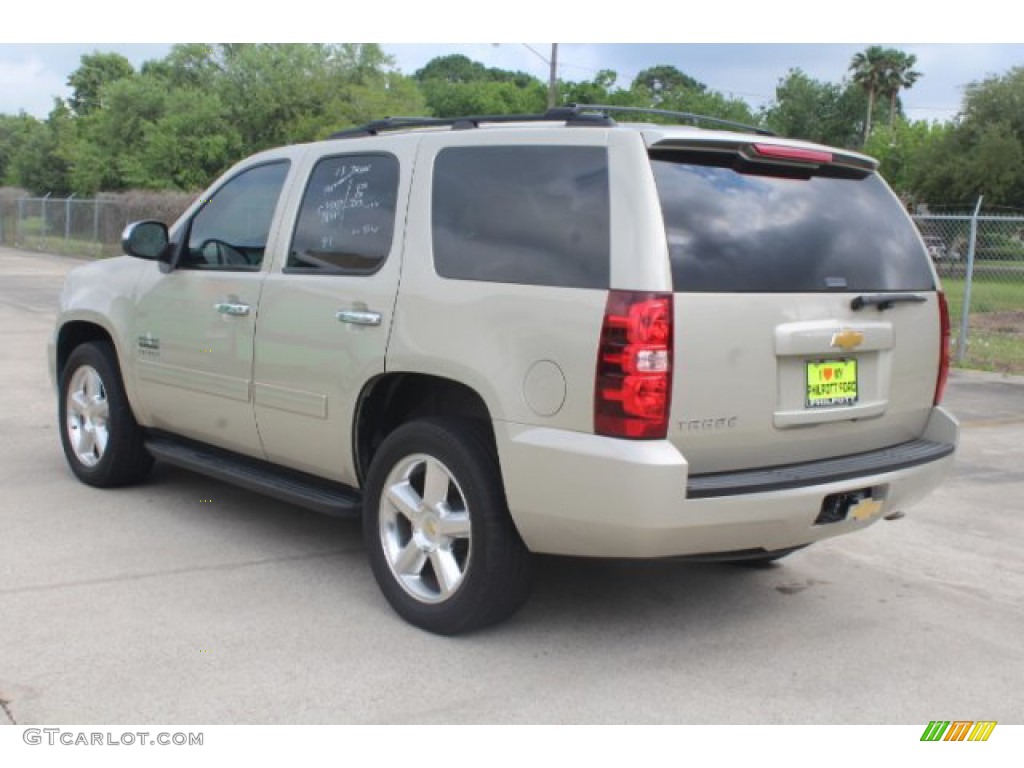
x=441, y=543
x=101, y=439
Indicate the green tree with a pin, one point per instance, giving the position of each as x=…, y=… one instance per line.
x=41, y=164
x=662, y=87
x=281, y=94
x=883, y=72
x=703, y=101
x=900, y=76
x=484, y=98
x=107, y=154
x=964, y=165
x=14, y=132
x=181, y=120
x=997, y=167
x=360, y=62
x=982, y=153
x=902, y=151
x=664, y=83
x=190, y=144
x=454, y=68
x=188, y=65
x=456, y=85
x=600, y=90
x=870, y=71
x=96, y=71
x=995, y=99
x=828, y=113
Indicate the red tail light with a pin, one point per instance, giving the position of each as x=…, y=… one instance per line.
x=633, y=387
x=940, y=383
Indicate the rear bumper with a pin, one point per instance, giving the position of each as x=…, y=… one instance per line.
x=577, y=494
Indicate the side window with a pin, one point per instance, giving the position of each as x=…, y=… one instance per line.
x=230, y=231
x=347, y=217
x=534, y=215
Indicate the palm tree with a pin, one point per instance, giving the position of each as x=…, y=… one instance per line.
x=869, y=68
x=899, y=76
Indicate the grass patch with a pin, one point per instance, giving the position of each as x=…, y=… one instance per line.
x=995, y=339
x=986, y=295
x=71, y=247
x=992, y=351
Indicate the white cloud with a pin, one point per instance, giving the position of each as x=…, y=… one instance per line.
x=26, y=84
x=32, y=75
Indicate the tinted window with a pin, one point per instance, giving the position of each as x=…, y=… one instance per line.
x=735, y=232
x=532, y=215
x=347, y=217
x=230, y=231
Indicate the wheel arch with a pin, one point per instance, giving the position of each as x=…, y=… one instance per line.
x=77, y=332
x=392, y=399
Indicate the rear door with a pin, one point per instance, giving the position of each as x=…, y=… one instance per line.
x=806, y=315
x=326, y=313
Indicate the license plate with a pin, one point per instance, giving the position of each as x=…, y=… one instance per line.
x=831, y=383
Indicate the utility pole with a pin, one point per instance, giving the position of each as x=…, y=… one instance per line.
x=553, y=70
x=553, y=79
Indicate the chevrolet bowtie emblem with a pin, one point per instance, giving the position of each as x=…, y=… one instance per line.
x=847, y=339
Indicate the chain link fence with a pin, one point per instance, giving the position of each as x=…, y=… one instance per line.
x=980, y=259
x=88, y=227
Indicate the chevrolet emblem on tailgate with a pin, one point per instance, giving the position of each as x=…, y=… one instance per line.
x=847, y=339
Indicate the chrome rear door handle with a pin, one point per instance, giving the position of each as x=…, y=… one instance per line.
x=229, y=308
x=359, y=317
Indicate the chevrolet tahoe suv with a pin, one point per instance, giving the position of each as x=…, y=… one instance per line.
x=493, y=337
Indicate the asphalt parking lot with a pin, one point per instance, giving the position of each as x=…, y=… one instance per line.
x=184, y=600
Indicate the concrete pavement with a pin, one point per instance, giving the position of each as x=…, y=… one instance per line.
x=184, y=600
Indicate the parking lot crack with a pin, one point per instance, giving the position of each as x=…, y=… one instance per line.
x=5, y=708
x=179, y=571
x=987, y=423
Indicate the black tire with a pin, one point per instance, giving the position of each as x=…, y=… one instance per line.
x=121, y=459
x=485, y=559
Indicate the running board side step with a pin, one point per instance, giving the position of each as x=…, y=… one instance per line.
x=284, y=484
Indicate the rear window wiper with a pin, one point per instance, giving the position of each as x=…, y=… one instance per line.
x=885, y=300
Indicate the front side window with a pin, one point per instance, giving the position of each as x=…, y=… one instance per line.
x=230, y=231
x=533, y=215
x=347, y=218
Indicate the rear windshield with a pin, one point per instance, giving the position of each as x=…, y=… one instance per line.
x=737, y=232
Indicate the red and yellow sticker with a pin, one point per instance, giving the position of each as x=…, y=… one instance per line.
x=831, y=383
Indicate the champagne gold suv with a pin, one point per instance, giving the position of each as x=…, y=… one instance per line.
x=491, y=337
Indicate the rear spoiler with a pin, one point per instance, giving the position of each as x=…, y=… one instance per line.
x=775, y=153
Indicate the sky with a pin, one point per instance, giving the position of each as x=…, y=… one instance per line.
x=31, y=75
x=737, y=51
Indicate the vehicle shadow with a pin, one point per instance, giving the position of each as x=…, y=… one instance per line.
x=605, y=597
x=642, y=595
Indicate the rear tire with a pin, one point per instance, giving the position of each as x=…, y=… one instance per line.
x=440, y=539
x=101, y=439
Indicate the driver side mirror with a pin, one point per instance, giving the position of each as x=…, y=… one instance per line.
x=145, y=240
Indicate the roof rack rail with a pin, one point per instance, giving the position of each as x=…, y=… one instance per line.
x=596, y=115
x=555, y=114
x=692, y=116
